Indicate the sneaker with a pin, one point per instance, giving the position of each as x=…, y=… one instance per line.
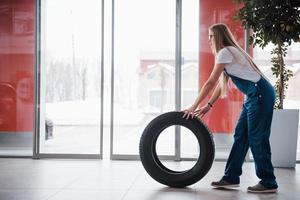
x=259, y=188
x=224, y=184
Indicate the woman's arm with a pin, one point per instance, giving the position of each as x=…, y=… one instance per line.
x=205, y=90
x=216, y=94
x=204, y=109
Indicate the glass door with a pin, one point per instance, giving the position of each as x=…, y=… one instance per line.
x=70, y=79
x=143, y=73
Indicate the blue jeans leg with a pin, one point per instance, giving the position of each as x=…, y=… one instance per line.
x=259, y=125
x=238, y=151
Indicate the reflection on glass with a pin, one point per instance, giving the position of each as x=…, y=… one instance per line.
x=16, y=76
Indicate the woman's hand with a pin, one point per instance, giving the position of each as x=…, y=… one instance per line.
x=202, y=111
x=190, y=112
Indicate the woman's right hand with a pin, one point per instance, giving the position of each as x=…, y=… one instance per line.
x=190, y=112
x=202, y=111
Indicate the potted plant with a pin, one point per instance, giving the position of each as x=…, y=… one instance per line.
x=276, y=22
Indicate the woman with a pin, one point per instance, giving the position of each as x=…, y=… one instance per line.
x=253, y=127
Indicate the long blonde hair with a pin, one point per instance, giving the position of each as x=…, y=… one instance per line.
x=223, y=38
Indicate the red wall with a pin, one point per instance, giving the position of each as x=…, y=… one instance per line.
x=17, y=58
x=222, y=118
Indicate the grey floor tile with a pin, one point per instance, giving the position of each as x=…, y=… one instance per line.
x=89, y=195
x=124, y=180
x=145, y=182
x=164, y=193
x=17, y=194
x=100, y=184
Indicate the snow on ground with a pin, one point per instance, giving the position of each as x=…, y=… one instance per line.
x=88, y=113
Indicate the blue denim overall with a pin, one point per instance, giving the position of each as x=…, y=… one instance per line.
x=253, y=130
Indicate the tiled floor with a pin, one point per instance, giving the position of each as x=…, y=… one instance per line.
x=49, y=179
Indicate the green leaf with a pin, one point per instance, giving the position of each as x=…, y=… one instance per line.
x=274, y=21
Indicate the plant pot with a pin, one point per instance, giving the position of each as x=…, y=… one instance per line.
x=284, y=136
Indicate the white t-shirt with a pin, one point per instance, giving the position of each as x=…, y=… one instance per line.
x=236, y=64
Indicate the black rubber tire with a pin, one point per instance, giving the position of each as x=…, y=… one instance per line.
x=153, y=165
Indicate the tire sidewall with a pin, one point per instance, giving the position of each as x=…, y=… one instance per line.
x=156, y=169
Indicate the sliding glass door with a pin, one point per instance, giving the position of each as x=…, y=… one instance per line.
x=143, y=72
x=70, y=78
